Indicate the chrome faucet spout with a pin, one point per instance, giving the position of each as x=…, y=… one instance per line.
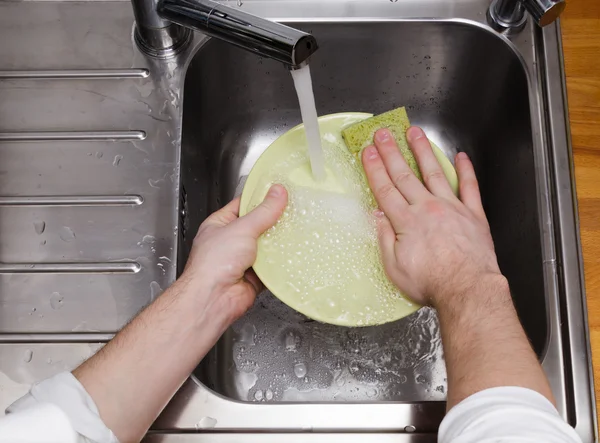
x=263, y=37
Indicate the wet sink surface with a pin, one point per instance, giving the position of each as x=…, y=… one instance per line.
x=468, y=89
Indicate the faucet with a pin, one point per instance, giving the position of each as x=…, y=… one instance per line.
x=508, y=16
x=163, y=30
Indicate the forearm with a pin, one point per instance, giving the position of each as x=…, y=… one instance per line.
x=135, y=375
x=485, y=345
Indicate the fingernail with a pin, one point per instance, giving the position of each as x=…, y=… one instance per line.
x=414, y=133
x=383, y=135
x=378, y=213
x=371, y=152
x=462, y=156
x=275, y=191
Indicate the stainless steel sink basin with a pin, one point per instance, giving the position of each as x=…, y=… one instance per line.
x=463, y=83
x=111, y=160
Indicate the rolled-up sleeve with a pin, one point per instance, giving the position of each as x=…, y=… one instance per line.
x=60, y=405
x=505, y=415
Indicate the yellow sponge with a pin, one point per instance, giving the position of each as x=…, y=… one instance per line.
x=360, y=135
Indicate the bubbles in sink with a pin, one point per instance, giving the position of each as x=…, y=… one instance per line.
x=297, y=359
x=300, y=370
x=268, y=395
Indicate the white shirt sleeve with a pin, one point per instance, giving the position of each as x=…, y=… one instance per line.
x=55, y=410
x=505, y=415
x=59, y=410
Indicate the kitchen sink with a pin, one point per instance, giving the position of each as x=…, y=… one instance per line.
x=472, y=90
x=111, y=160
x=468, y=88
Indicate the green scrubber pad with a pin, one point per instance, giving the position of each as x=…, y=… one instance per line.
x=360, y=135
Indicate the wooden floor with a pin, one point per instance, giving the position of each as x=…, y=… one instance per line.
x=581, y=39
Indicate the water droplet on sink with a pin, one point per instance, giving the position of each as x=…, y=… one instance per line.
x=39, y=226
x=290, y=342
x=28, y=355
x=117, y=160
x=300, y=370
x=56, y=301
x=99, y=154
x=155, y=290
x=148, y=239
x=258, y=395
x=206, y=422
x=268, y=395
x=154, y=183
x=67, y=234
x=248, y=334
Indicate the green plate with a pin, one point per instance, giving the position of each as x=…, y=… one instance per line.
x=322, y=258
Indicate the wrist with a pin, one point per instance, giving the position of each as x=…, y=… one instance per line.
x=201, y=300
x=486, y=291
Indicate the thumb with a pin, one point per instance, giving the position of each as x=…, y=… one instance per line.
x=266, y=214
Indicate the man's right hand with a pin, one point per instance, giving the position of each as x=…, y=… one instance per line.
x=437, y=249
x=434, y=245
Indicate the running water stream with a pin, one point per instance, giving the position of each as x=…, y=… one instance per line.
x=306, y=98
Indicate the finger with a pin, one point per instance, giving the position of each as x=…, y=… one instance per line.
x=266, y=214
x=467, y=185
x=251, y=277
x=398, y=170
x=386, y=236
x=432, y=172
x=225, y=215
x=387, y=195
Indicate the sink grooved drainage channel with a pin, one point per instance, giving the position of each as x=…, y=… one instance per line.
x=75, y=200
x=75, y=74
x=71, y=268
x=31, y=136
x=58, y=337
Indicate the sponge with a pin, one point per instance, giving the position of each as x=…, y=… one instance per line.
x=360, y=135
